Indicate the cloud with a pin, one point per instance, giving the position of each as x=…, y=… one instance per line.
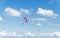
x=10, y=34
x=26, y=11
x=54, y=34
x=50, y=34
x=39, y=19
x=12, y=12
x=54, y=24
x=46, y=12
x=38, y=24
x=5, y=33
x=1, y=19
x=29, y=34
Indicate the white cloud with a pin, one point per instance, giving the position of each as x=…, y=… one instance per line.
x=54, y=24
x=3, y=33
x=1, y=19
x=10, y=34
x=12, y=12
x=26, y=11
x=46, y=12
x=38, y=24
x=39, y=19
x=29, y=34
x=51, y=34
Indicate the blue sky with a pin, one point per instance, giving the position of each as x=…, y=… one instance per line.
x=43, y=16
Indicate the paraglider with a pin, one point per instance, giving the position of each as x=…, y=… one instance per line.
x=25, y=20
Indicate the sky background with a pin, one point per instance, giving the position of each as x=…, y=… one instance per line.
x=43, y=17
